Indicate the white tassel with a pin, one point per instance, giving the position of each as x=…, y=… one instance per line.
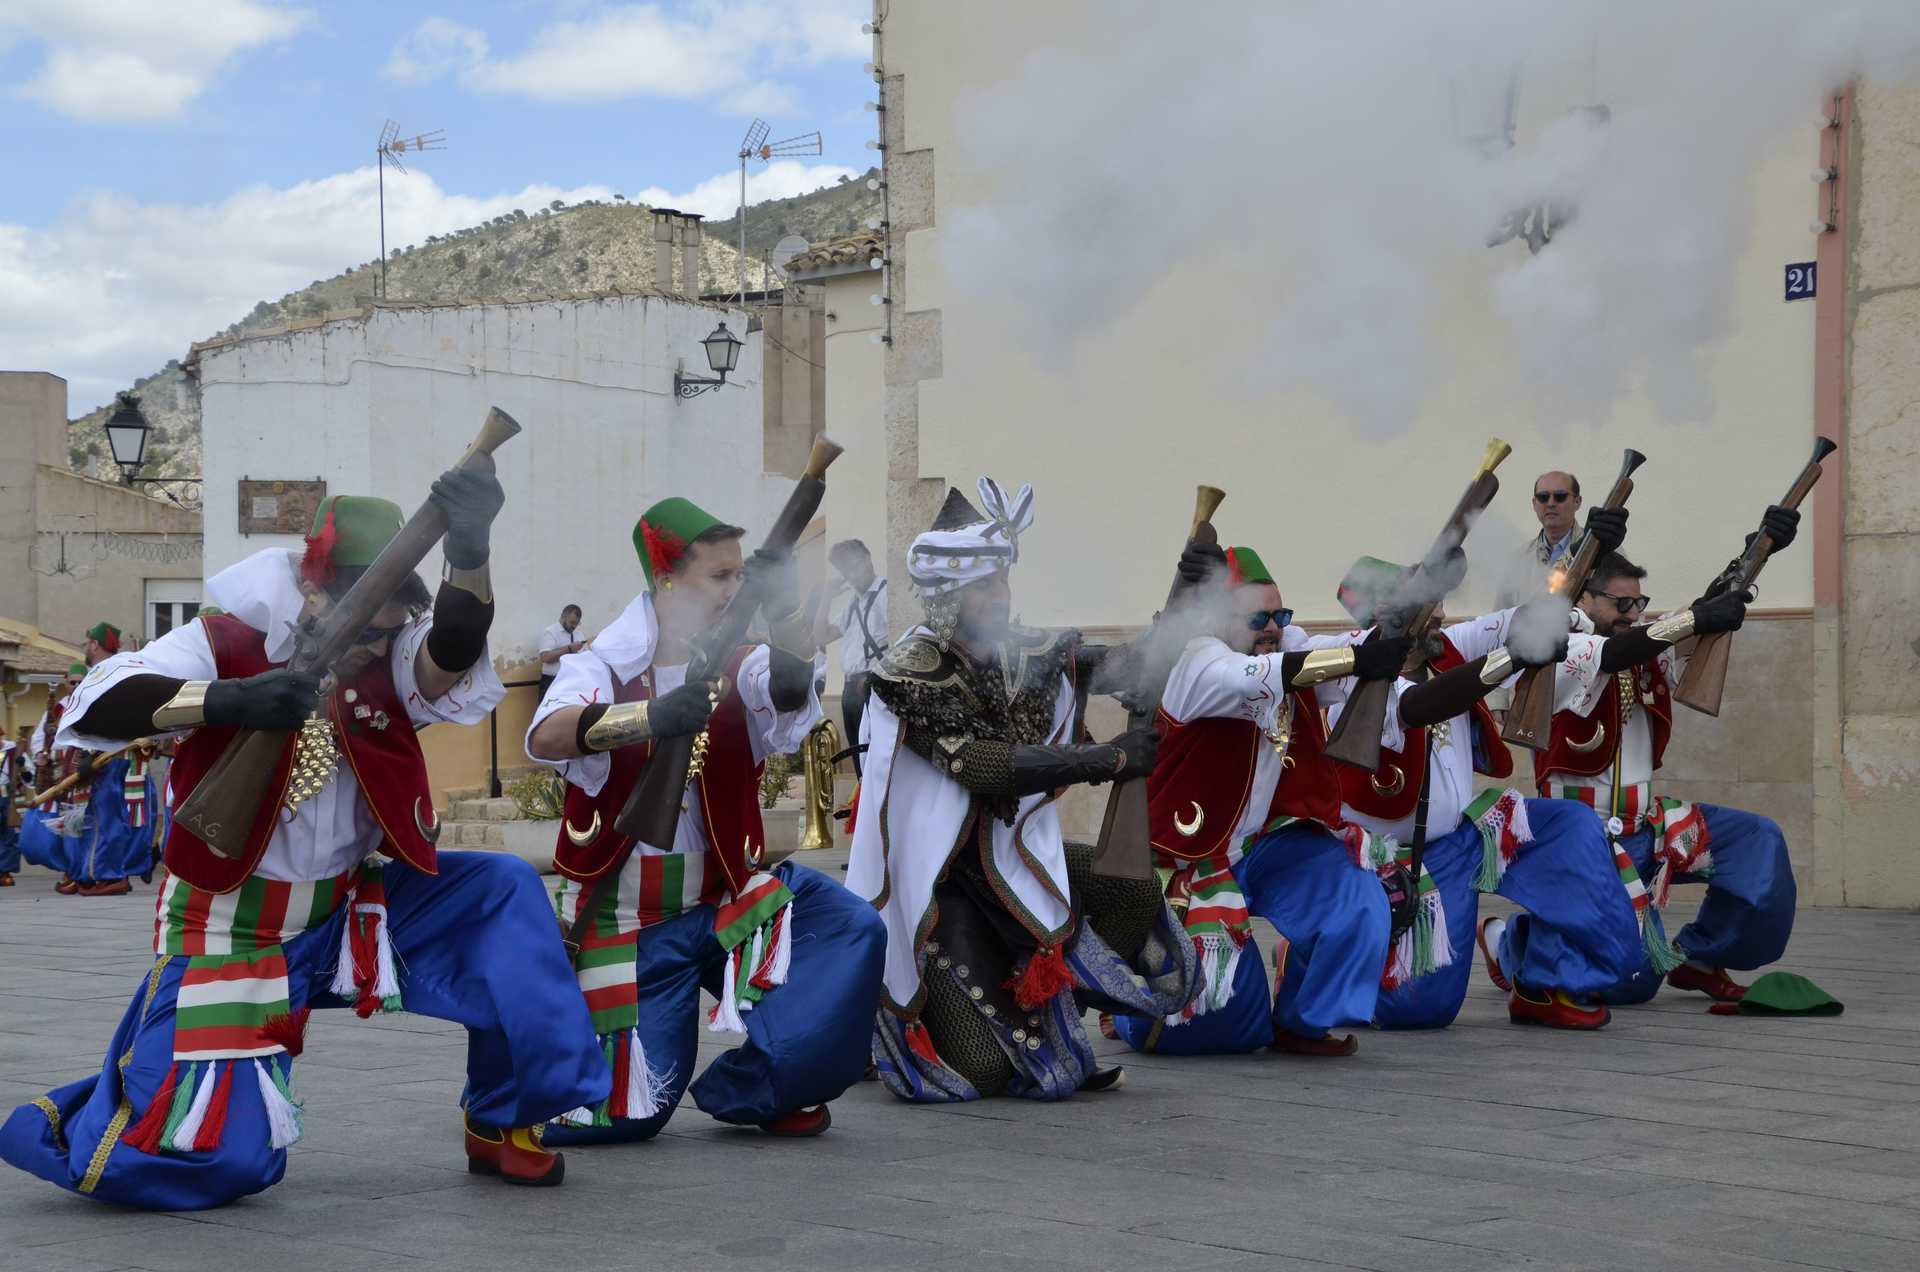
x=1400, y=970
x=1442, y=943
x=646, y=1090
x=283, y=1117
x=783, y=946
x=582, y=1116
x=343, y=986
x=386, y=983
x=181, y=1141
x=726, y=1013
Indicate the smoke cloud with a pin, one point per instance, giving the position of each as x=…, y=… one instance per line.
x=1348, y=163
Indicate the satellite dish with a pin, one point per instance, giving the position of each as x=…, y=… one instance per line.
x=788, y=248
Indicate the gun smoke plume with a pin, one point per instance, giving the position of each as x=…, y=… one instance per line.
x=1341, y=167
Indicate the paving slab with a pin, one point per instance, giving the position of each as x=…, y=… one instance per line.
x=1672, y=1138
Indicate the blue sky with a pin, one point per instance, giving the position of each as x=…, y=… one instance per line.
x=171, y=163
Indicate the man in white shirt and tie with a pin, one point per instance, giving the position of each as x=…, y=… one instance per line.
x=860, y=626
x=556, y=642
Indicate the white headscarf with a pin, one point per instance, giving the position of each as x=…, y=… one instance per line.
x=942, y=561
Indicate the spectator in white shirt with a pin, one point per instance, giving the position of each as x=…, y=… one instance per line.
x=556, y=643
x=860, y=626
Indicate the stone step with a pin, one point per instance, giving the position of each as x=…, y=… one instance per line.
x=472, y=834
x=495, y=810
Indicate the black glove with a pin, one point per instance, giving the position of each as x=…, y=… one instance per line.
x=1722, y=613
x=1781, y=526
x=471, y=499
x=774, y=575
x=1381, y=659
x=683, y=711
x=278, y=701
x=1201, y=561
x=1609, y=527
x=1141, y=747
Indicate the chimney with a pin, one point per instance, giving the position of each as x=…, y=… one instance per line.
x=663, y=250
x=690, y=254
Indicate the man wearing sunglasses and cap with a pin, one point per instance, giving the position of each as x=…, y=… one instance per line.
x=1245, y=817
x=337, y=897
x=1610, y=734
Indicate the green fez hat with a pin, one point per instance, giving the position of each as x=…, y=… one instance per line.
x=1782, y=994
x=1367, y=587
x=663, y=532
x=348, y=533
x=107, y=634
x=1245, y=566
x=77, y=669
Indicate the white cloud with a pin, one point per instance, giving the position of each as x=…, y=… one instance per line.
x=436, y=47
x=701, y=49
x=116, y=287
x=133, y=61
x=718, y=196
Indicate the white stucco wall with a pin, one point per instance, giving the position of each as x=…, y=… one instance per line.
x=1115, y=436
x=381, y=404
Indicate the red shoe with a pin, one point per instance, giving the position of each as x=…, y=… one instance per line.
x=517, y=1156
x=67, y=887
x=6, y=880
x=800, y=1124
x=1327, y=1045
x=106, y=888
x=1492, y=959
x=1715, y=984
x=1109, y=1030
x=1556, y=1011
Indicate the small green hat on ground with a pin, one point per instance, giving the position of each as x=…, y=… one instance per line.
x=348, y=533
x=1783, y=994
x=662, y=534
x=1245, y=566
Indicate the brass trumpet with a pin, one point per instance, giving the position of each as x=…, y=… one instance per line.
x=816, y=764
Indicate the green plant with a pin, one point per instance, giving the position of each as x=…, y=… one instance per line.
x=779, y=775
x=540, y=796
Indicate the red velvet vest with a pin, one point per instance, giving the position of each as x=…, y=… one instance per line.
x=1585, y=745
x=1201, y=779
x=386, y=762
x=729, y=792
x=1392, y=791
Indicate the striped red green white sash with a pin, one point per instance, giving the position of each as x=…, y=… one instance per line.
x=1635, y=801
x=225, y=1003
x=1501, y=818
x=1216, y=921
x=134, y=788
x=756, y=931
x=258, y=914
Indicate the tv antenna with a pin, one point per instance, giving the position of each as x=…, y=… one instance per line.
x=756, y=146
x=392, y=146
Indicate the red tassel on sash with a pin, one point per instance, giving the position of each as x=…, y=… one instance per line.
x=290, y=1031
x=1044, y=976
x=921, y=1043
x=622, y=1062
x=145, y=1134
x=216, y=1119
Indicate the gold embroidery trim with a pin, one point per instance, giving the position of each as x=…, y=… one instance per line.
x=111, y=1136
x=52, y=1111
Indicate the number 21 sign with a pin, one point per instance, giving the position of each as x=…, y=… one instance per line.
x=1801, y=278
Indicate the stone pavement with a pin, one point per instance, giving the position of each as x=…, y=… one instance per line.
x=1672, y=1140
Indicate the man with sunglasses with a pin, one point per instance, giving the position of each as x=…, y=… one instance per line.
x=337, y=896
x=1245, y=817
x=1610, y=734
x=1547, y=856
x=1556, y=504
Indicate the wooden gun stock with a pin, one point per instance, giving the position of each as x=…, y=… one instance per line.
x=1704, y=682
x=1125, y=847
x=223, y=806
x=1356, y=739
x=1530, y=715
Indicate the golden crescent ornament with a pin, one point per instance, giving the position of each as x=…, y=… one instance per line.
x=581, y=838
x=429, y=828
x=1191, y=828
x=1593, y=743
x=1388, y=790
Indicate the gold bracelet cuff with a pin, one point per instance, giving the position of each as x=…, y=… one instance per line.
x=1497, y=668
x=1672, y=629
x=792, y=634
x=478, y=581
x=623, y=724
x=187, y=709
x=1323, y=665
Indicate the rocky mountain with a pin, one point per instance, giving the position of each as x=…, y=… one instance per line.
x=524, y=254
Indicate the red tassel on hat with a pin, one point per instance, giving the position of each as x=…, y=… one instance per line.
x=145, y=1134
x=664, y=548
x=289, y=1031
x=316, y=567
x=1044, y=976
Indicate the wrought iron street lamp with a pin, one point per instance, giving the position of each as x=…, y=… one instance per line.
x=127, y=433
x=723, y=355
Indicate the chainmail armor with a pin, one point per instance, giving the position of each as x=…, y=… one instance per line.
x=1122, y=911
x=966, y=1042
